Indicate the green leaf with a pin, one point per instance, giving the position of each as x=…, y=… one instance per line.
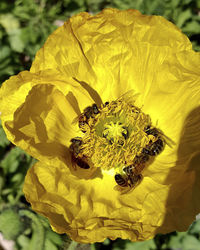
x=186, y=2
x=190, y=243
x=11, y=162
x=175, y=240
x=3, y=139
x=7, y=191
x=18, y=177
x=174, y=3
x=12, y=27
x=143, y=245
x=2, y=180
x=9, y=22
x=38, y=231
x=183, y=17
x=192, y=27
x=23, y=241
x=48, y=245
x=195, y=227
x=10, y=224
x=16, y=41
x=54, y=237
x=4, y=52
x=106, y=242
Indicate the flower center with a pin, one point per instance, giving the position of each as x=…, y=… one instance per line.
x=116, y=135
x=115, y=132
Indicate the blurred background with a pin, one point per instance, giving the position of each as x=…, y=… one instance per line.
x=24, y=27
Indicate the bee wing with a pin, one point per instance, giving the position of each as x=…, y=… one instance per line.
x=76, y=119
x=129, y=96
x=168, y=141
x=122, y=190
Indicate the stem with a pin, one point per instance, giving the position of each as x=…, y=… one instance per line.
x=38, y=238
x=72, y=245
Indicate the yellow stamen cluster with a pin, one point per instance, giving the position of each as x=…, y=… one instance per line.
x=115, y=132
x=116, y=135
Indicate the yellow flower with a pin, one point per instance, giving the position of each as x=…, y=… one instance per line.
x=144, y=78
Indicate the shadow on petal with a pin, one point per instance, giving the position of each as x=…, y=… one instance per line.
x=86, y=174
x=42, y=124
x=92, y=92
x=183, y=203
x=73, y=102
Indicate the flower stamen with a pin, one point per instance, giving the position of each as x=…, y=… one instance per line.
x=117, y=135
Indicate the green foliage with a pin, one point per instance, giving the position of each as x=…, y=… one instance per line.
x=144, y=245
x=24, y=27
x=10, y=224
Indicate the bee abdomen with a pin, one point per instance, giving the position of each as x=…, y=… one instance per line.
x=120, y=180
x=82, y=164
x=157, y=147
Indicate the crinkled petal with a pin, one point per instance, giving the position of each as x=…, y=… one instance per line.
x=131, y=38
x=92, y=210
x=174, y=106
x=40, y=125
x=39, y=112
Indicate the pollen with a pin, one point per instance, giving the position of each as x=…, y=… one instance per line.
x=116, y=135
x=115, y=131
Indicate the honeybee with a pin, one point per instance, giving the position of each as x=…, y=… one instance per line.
x=75, y=146
x=91, y=111
x=151, y=131
x=156, y=147
x=83, y=118
x=75, y=150
x=128, y=180
x=132, y=174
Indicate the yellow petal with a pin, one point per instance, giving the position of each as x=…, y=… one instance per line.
x=135, y=51
x=173, y=104
x=41, y=124
x=91, y=210
x=41, y=111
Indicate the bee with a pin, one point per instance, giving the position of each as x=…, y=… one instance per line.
x=84, y=117
x=151, y=131
x=75, y=146
x=131, y=176
x=127, y=180
x=91, y=111
x=132, y=172
x=128, y=96
x=156, y=147
x=135, y=179
x=75, y=150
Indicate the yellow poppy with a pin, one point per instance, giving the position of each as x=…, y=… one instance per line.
x=140, y=79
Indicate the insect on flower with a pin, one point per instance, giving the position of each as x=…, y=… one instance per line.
x=110, y=109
